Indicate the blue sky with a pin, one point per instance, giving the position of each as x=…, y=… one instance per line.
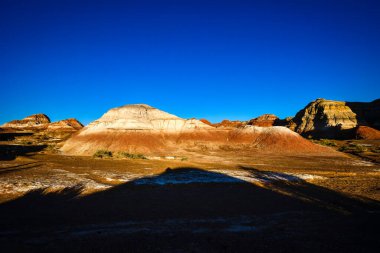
x=203, y=59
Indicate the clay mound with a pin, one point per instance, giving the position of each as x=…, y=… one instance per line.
x=265, y=120
x=367, y=133
x=276, y=139
x=132, y=128
x=35, y=121
x=65, y=125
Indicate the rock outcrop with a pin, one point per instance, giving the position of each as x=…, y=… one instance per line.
x=41, y=122
x=65, y=125
x=287, y=122
x=324, y=118
x=230, y=124
x=336, y=119
x=367, y=114
x=35, y=121
x=265, y=120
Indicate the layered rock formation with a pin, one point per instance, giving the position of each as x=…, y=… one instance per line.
x=144, y=129
x=133, y=128
x=30, y=122
x=65, y=125
x=143, y=117
x=324, y=118
x=41, y=122
x=265, y=120
x=336, y=119
x=230, y=124
x=367, y=114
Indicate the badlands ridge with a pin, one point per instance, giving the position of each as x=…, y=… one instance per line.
x=144, y=129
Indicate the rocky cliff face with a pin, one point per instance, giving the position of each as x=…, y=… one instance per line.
x=368, y=114
x=265, y=120
x=324, y=118
x=32, y=121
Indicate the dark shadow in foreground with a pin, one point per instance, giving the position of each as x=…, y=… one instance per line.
x=192, y=210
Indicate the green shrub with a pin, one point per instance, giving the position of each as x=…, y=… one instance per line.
x=326, y=142
x=131, y=156
x=184, y=159
x=102, y=154
x=343, y=149
x=353, y=148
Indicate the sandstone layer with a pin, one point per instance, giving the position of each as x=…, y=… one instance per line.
x=324, y=118
x=336, y=119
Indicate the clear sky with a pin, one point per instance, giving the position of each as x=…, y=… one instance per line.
x=204, y=59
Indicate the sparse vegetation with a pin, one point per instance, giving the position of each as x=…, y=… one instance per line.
x=130, y=155
x=353, y=148
x=184, y=159
x=102, y=154
x=108, y=154
x=329, y=143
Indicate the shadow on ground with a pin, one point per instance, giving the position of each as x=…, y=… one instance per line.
x=10, y=152
x=192, y=210
x=10, y=136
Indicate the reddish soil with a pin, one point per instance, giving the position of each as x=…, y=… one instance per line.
x=166, y=143
x=367, y=133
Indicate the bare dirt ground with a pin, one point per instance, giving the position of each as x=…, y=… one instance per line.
x=225, y=201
